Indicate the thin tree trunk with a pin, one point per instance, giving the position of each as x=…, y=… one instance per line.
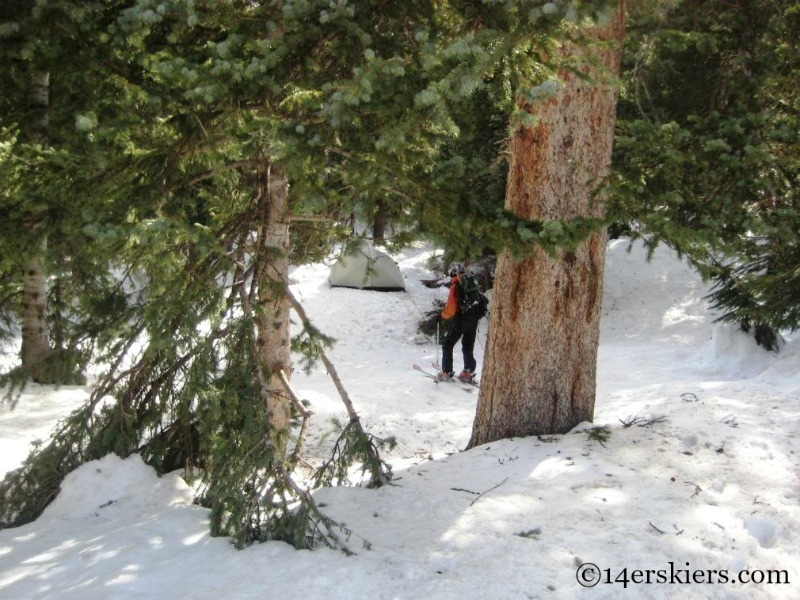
x=540, y=362
x=35, y=333
x=273, y=321
x=38, y=103
x=379, y=222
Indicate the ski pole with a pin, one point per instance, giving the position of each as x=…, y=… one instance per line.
x=437, y=341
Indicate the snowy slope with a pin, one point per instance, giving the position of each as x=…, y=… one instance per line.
x=710, y=488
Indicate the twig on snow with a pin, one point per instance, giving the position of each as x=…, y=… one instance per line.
x=657, y=529
x=697, y=488
x=465, y=490
x=487, y=491
x=677, y=531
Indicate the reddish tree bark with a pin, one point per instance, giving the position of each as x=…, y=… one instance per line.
x=540, y=362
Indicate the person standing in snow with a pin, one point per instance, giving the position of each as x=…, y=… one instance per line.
x=465, y=306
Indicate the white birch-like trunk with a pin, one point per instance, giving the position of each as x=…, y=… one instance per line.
x=273, y=322
x=35, y=333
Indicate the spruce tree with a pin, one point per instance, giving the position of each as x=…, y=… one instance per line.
x=184, y=124
x=198, y=117
x=707, y=147
x=43, y=204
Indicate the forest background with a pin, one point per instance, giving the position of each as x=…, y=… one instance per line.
x=154, y=154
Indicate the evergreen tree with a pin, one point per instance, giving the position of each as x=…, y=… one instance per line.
x=503, y=53
x=29, y=276
x=193, y=135
x=201, y=118
x=707, y=150
x=47, y=190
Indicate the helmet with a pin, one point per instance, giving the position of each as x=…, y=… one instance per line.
x=456, y=269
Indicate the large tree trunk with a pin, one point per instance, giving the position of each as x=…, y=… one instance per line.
x=540, y=362
x=273, y=321
x=35, y=333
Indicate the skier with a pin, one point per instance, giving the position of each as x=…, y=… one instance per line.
x=465, y=305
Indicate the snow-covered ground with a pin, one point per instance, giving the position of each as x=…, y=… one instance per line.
x=678, y=507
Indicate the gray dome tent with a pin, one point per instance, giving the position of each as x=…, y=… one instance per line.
x=366, y=268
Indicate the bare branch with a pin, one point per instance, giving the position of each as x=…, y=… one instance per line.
x=348, y=403
x=697, y=488
x=657, y=529
x=487, y=491
x=302, y=410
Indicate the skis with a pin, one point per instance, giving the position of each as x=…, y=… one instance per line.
x=427, y=374
x=473, y=383
x=436, y=379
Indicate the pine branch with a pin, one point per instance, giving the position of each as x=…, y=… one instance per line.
x=318, y=517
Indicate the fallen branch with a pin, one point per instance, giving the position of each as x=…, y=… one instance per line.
x=697, y=488
x=465, y=490
x=302, y=411
x=333, y=540
x=657, y=529
x=487, y=491
x=642, y=421
x=677, y=531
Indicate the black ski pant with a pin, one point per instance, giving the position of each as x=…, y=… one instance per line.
x=465, y=328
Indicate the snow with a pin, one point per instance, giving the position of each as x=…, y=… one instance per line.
x=710, y=486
